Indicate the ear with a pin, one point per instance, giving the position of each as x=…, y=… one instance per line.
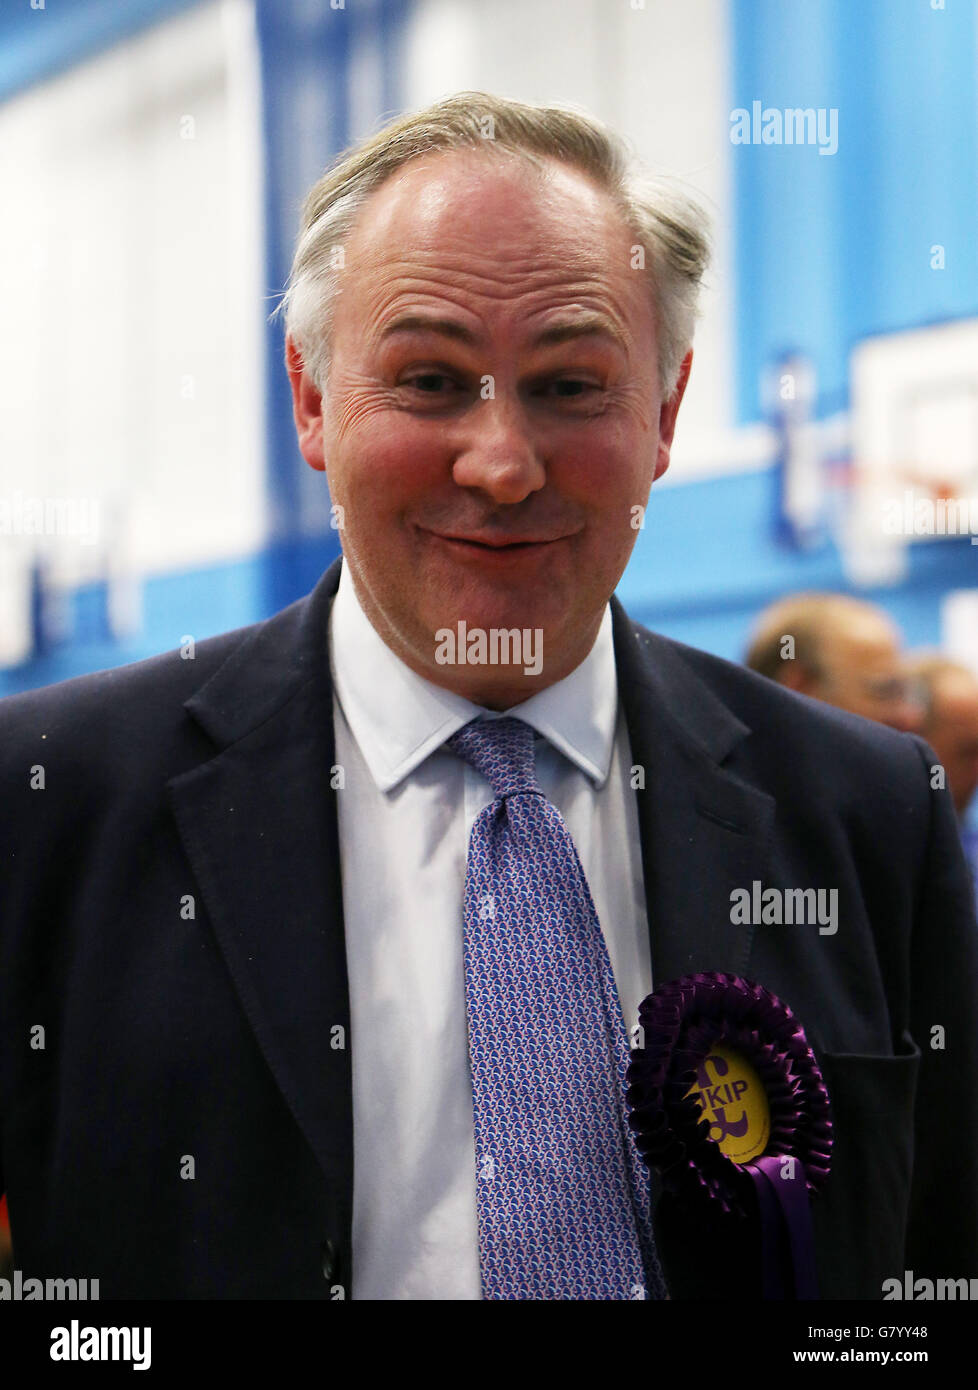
x=307, y=407
x=797, y=676
x=667, y=416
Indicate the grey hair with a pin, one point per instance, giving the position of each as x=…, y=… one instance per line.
x=669, y=227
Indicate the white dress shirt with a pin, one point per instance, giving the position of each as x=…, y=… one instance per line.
x=405, y=815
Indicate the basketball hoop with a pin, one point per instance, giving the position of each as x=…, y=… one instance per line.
x=914, y=442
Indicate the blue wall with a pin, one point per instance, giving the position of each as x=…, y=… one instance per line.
x=708, y=561
x=201, y=602
x=831, y=248
x=38, y=43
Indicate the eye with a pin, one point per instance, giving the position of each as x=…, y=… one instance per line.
x=429, y=383
x=567, y=388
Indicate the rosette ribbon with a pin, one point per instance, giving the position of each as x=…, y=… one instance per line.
x=696, y=1031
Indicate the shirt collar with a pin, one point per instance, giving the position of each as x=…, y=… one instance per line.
x=398, y=718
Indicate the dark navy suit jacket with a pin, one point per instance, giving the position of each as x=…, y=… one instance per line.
x=171, y=916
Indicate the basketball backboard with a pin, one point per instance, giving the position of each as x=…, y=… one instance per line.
x=914, y=445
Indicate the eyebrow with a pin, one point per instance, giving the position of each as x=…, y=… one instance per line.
x=580, y=326
x=421, y=323
x=587, y=325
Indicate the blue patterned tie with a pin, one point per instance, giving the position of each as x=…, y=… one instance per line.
x=563, y=1196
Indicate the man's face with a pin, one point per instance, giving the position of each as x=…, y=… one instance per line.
x=492, y=418
x=953, y=734
x=861, y=671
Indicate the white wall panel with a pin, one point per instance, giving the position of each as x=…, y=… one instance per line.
x=131, y=264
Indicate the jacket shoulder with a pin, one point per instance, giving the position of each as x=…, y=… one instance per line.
x=163, y=679
x=804, y=733
x=116, y=705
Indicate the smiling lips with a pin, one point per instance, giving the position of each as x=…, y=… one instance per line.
x=500, y=542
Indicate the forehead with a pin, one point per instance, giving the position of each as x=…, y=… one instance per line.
x=956, y=701
x=496, y=234
x=864, y=639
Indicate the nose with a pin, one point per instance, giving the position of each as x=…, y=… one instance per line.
x=499, y=455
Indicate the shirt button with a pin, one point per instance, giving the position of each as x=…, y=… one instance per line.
x=330, y=1261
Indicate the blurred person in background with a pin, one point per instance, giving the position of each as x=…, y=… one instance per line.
x=841, y=650
x=948, y=692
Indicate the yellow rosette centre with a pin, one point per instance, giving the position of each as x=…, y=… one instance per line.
x=735, y=1103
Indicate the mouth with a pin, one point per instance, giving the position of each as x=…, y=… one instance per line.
x=498, y=545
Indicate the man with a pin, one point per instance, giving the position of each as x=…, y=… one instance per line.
x=279, y=910
x=949, y=691
x=837, y=649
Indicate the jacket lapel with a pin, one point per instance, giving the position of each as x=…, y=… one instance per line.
x=704, y=832
x=258, y=823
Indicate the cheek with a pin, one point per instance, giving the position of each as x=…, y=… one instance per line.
x=352, y=414
x=382, y=459
x=605, y=467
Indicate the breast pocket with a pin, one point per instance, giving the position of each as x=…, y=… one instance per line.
x=860, y=1217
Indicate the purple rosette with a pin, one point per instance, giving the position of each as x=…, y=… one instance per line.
x=681, y=1022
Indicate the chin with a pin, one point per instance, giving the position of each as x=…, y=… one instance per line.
x=513, y=605
x=503, y=616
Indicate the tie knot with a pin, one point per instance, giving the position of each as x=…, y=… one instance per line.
x=502, y=750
